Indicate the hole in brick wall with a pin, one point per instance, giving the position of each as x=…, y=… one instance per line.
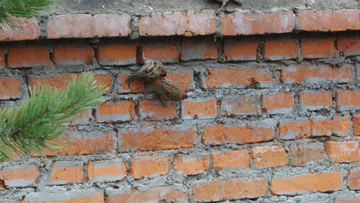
x=2, y=183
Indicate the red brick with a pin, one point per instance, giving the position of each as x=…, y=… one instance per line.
x=108, y=170
x=194, y=48
x=176, y=23
x=297, y=74
x=300, y=184
x=341, y=20
x=154, y=110
x=356, y=124
x=277, y=103
x=29, y=29
x=354, y=179
x=191, y=165
x=298, y=129
x=115, y=111
x=250, y=133
x=58, y=82
x=348, y=100
x=149, y=165
x=19, y=176
x=88, y=26
x=73, y=55
x=317, y=48
x=348, y=46
x=10, y=88
x=280, y=50
x=78, y=143
x=66, y=172
x=272, y=156
x=81, y=118
x=198, y=108
x=184, y=79
x=248, y=23
x=104, y=80
x=163, y=194
x=225, y=77
x=2, y=58
x=72, y=196
x=232, y=159
x=28, y=57
x=151, y=139
x=315, y=100
x=339, y=126
x=116, y=55
x=240, y=50
x=349, y=200
x=136, y=87
x=230, y=189
x=343, y=152
x=307, y=153
x=163, y=51
x=240, y=106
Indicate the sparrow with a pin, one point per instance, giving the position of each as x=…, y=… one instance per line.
x=165, y=90
x=225, y=1
x=151, y=70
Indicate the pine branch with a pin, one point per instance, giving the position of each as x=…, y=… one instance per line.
x=12, y=9
x=37, y=123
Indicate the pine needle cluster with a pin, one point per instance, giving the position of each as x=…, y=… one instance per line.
x=12, y=9
x=35, y=125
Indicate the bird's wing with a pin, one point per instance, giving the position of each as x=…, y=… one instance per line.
x=172, y=90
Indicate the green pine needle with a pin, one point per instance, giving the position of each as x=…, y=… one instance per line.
x=37, y=123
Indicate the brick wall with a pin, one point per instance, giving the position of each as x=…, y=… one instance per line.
x=273, y=113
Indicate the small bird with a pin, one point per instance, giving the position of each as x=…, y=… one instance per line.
x=151, y=70
x=225, y=1
x=165, y=90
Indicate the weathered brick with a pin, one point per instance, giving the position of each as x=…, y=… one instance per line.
x=10, y=88
x=355, y=198
x=277, y=103
x=231, y=160
x=353, y=179
x=239, y=106
x=299, y=184
x=143, y=166
x=341, y=20
x=115, y=111
x=29, y=29
x=225, y=77
x=323, y=126
x=280, y=50
x=176, y=23
x=80, y=142
x=154, y=110
x=150, y=138
x=104, y=80
x=116, y=55
x=2, y=58
x=73, y=55
x=257, y=131
x=80, y=118
x=88, y=26
x=295, y=129
x=240, y=50
x=232, y=189
x=19, y=176
x=306, y=153
x=108, y=170
x=162, y=194
x=297, y=74
x=272, y=156
x=63, y=172
x=317, y=48
x=191, y=164
x=75, y=195
x=166, y=52
x=135, y=87
x=347, y=100
x=246, y=23
x=348, y=46
x=198, y=108
x=183, y=78
x=28, y=57
x=356, y=124
x=315, y=100
x=193, y=48
x=343, y=152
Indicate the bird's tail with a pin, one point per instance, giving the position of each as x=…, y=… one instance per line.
x=131, y=79
x=152, y=88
